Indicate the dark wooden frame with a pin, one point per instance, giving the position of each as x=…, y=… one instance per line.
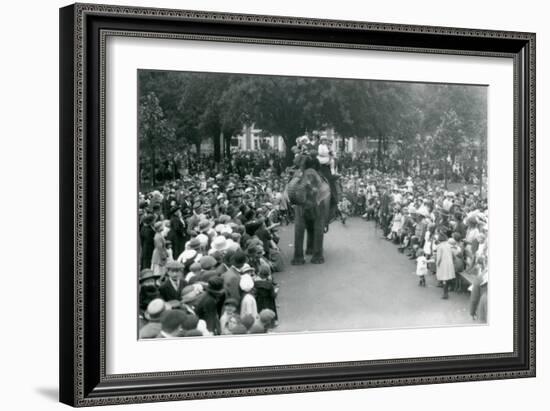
x=83, y=29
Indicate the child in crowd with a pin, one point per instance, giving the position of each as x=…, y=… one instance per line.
x=421, y=268
x=266, y=293
x=248, y=302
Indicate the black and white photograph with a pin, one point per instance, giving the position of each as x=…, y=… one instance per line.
x=286, y=204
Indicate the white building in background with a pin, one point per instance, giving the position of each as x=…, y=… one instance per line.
x=251, y=138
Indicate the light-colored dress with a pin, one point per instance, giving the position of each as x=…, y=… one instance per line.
x=445, y=269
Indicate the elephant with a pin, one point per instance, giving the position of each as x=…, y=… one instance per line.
x=312, y=216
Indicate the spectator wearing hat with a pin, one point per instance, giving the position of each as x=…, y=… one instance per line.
x=265, y=291
x=178, y=233
x=445, y=270
x=210, y=306
x=160, y=255
x=172, y=287
x=171, y=324
x=194, y=273
x=232, y=277
x=153, y=314
x=148, y=288
x=147, y=236
x=208, y=268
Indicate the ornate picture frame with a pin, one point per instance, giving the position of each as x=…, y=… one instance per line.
x=84, y=29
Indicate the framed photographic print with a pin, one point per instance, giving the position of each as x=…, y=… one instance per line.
x=261, y=204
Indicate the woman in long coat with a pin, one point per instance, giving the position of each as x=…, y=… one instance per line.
x=445, y=270
x=160, y=254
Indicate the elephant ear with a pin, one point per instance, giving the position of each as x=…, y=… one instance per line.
x=296, y=189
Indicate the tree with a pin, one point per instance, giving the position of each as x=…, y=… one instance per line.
x=155, y=135
x=449, y=140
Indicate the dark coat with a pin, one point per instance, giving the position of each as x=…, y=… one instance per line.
x=168, y=292
x=208, y=310
x=177, y=235
x=265, y=295
x=147, y=236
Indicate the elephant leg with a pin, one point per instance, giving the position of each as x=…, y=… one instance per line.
x=310, y=241
x=299, y=227
x=319, y=233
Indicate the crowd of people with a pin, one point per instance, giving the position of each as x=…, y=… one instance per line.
x=208, y=249
x=443, y=231
x=209, y=243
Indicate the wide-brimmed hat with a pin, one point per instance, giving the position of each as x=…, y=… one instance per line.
x=205, y=225
x=203, y=240
x=193, y=244
x=147, y=273
x=187, y=255
x=155, y=309
x=219, y=243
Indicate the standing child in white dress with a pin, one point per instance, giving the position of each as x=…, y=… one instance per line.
x=421, y=268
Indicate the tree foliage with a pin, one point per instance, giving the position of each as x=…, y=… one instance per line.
x=421, y=121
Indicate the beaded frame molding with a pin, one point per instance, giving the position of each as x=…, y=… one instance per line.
x=83, y=32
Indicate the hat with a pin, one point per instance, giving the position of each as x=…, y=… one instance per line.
x=246, y=283
x=239, y=258
x=155, y=309
x=246, y=268
x=193, y=244
x=146, y=273
x=267, y=316
x=195, y=266
x=219, y=243
x=215, y=284
x=187, y=255
x=224, y=219
x=158, y=225
x=190, y=322
x=175, y=266
x=203, y=240
x=190, y=292
x=172, y=320
x=208, y=262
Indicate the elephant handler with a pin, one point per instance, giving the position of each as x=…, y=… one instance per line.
x=326, y=159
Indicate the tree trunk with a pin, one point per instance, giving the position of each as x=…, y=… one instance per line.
x=217, y=149
x=445, y=173
x=198, y=147
x=379, y=153
x=153, y=167
x=227, y=146
x=480, y=165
